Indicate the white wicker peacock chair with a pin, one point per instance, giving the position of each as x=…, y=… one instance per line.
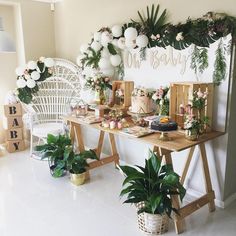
x=52, y=101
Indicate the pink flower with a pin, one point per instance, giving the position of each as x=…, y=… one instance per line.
x=199, y=94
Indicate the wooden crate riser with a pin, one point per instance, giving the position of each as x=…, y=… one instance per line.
x=13, y=110
x=127, y=87
x=182, y=94
x=15, y=146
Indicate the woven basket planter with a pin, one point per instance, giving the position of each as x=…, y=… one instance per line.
x=152, y=224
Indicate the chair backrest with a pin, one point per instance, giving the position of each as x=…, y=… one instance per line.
x=53, y=99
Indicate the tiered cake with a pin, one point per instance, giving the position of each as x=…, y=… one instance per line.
x=141, y=101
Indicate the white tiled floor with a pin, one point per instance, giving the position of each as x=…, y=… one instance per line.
x=32, y=203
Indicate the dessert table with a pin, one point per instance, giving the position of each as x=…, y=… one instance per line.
x=164, y=149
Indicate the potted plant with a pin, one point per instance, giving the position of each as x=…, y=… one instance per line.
x=151, y=188
x=77, y=166
x=57, y=149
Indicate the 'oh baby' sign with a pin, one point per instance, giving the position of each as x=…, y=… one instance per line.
x=158, y=57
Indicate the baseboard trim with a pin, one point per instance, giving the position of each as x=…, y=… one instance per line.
x=229, y=200
x=192, y=195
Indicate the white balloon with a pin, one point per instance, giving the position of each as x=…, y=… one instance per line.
x=32, y=65
x=20, y=70
x=97, y=36
x=121, y=43
x=105, y=53
x=115, y=42
x=115, y=60
x=84, y=47
x=142, y=41
x=78, y=60
x=116, y=30
x=35, y=75
x=21, y=83
x=131, y=33
x=130, y=43
x=106, y=38
x=49, y=62
x=96, y=46
x=104, y=63
x=108, y=72
x=30, y=83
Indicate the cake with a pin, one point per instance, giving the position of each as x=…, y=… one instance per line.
x=141, y=101
x=164, y=124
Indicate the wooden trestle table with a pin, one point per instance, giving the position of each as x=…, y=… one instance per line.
x=164, y=149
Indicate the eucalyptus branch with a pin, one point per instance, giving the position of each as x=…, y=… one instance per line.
x=220, y=66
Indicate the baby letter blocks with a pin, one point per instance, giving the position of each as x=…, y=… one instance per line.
x=14, y=127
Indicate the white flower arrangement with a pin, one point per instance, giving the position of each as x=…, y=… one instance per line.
x=142, y=92
x=29, y=75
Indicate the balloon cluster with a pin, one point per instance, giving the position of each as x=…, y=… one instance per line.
x=103, y=54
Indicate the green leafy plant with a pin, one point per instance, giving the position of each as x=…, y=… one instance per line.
x=220, y=66
x=199, y=59
x=77, y=163
x=151, y=23
x=57, y=149
x=91, y=58
x=153, y=184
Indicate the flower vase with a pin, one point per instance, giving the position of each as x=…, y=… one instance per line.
x=191, y=135
x=163, y=108
x=100, y=97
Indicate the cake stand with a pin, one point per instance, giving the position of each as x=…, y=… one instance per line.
x=164, y=135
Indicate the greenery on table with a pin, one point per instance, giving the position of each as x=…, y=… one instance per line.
x=153, y=184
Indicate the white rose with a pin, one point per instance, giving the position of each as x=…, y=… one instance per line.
x=35, y=75
x=32, y=65
x=130, y=43
x=42, y=59
x=21, y=83
x=49, y=62
x=30, y=83
x=179, y=36
x=106, y=38
x=154, y=97
x=121, y=43
x=27, y=76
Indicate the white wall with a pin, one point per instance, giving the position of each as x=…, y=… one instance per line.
x=76, y=20
x=31, y=25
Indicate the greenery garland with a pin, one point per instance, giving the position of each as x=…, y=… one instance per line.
x=199, y=60
x=220, y=64
x=157, y=32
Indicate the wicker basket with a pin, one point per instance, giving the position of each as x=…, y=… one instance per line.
x=152, y=224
